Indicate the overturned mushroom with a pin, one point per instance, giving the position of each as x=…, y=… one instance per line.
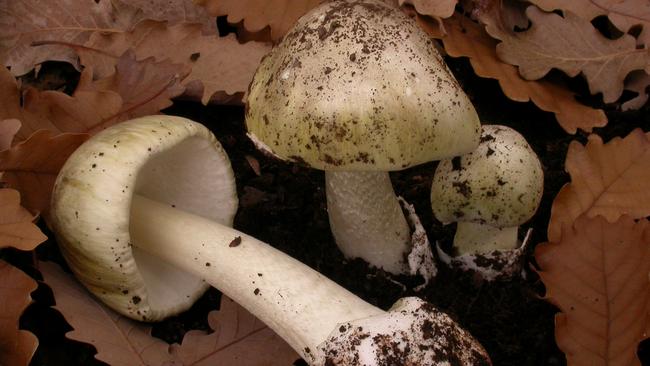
x=489, y=193
x=142, y=213
x=358, y=90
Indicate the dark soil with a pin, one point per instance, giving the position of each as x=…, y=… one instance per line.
x=285, y=206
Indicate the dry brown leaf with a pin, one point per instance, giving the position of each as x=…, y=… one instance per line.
x=597, y=275
x=119, y=340
x=17, y=227
x=11, y=104
x=184, y=44
x=465, y=38
x=85, y=110
x=135, y=89
x=638, y=82
x=238, y=339
x=176, y=11
x=27, y=21
x=16, y=346
x=32, y=21
x=146, y=87
x=279, y=15
x=573, y=45
x=623, y=14
x=8, y=129
x=32, y=165
x=609, y=180
x=433, y=8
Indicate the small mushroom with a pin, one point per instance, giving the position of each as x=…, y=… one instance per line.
x=489, y=193
x=142, y=213
x=357, y=89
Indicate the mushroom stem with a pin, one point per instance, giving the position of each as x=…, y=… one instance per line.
x=299, y=304
x=367, y=220
x=472, y=237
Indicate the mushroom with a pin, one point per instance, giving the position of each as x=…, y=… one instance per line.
x=358, y=90
x=142, y=213
x=489, y=193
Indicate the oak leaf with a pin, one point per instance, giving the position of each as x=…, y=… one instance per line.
x=597, y=275
x=17, y=228
x=609, y=180
x=176, y=11
x=24, y=22
x=119, y=340
x=435, y=9
x=8, y=129
x=638, y=82
x=134, y=89
x=278, y=15
x=16, y=346
x=573, y=45
x=29, y=22
x=238, y=337
x=465, y=38
x=623, y=14
x=82, y=111
x=182, y=44
x=145, y=87
x=31, y=166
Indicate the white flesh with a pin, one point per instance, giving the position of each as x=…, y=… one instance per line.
x=474, y=238
x=299, y=304
x=367, y=220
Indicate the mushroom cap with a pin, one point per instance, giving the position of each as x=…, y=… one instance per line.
x=500, y=183
x=168, y=159
x=412, y=332
x=357, y=85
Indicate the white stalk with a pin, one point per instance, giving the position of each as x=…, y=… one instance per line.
x=299, y=304
x=473, y=238
x=367, y=220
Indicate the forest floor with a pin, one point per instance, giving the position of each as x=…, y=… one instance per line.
x=286, y=207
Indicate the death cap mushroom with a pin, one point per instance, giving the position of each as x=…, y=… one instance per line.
x=356, y=85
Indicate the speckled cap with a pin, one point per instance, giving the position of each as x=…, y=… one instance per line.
x=168, y=159
x=356, y=85
x=412, y=332
x=500, y=183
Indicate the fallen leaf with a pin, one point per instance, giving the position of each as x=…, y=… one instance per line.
x=597, y=275
x=176, y=11
x=573, y=45
x=11, y=103
x=609, y=180
x=119, y=340
x=623, y=14
x=8, y=129
x=638, y=82
x=17, y=228
x=24, y=22
x=146, y=87
x=30, y=22
x=181, y=44
x=433, y=8
x=238, y=339
x=16, y=346
x=279, y=15
x=82, y=111
x=135, y=89
x=466, y=38
x=32, y=165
